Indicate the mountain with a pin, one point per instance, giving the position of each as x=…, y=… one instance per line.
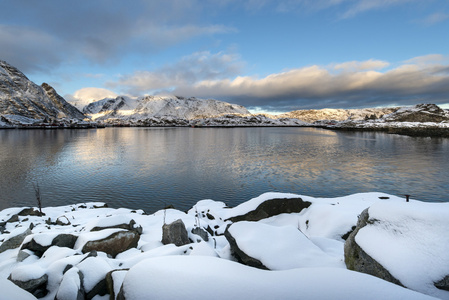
x=22, y=99
x=418, y=113
x=166, y=106
x=328, y=114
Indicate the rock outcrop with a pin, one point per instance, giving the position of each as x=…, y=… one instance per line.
x=175, y=233
x=357, y=259
x=273, y=207
x=114, y=243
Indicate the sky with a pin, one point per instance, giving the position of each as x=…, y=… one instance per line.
x=267, y=55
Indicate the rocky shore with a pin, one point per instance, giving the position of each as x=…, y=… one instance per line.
x=277, y=245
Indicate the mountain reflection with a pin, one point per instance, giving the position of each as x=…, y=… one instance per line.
x=149, y=168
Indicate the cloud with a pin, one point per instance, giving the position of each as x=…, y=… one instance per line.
x=333, y=86
x=28, y=48
x=189, y=70
x=434, y=18
x=87, y=95
x=362, y=6
x=100, y=32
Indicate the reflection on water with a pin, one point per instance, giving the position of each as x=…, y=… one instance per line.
x=149, y=168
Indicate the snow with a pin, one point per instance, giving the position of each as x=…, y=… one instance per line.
x=418, y=244
x=199, y=277
x=280, y=248
x=303, y=250
x=10, y=291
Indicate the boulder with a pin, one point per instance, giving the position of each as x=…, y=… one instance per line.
x=36, y=286
x=128, y=226
x=175, y=233
x=61, y=240
x=271, y=208
x=201, y=232
x=71, y=286
x=240, y=255
x=114, y=244
x=357, y=259
x=114, y=280
x=15, y=241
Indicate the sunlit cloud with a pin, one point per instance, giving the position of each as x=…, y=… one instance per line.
x=87, y=95
x=351, y=84
x=188, y=71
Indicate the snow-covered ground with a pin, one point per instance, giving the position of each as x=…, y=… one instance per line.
x=304, y=251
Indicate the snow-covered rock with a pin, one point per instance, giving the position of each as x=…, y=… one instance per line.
x=406, y=240
x=305, y=248
x=196, y=277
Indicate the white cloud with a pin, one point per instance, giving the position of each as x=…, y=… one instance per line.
x=351, y=84
x=189, y=70
x=434, y=18
x=87, y=95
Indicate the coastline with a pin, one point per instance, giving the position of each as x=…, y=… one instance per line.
x=91, y=250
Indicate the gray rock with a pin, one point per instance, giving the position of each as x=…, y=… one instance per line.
x=128, y=226
x=80, y=292
x=201, y=232
x=22, y=255
x=357, y=259
x=37, y=286
x=110, y=282
x=114, y=244
x=175, y=233
x=15, y=241
x=61, y=240
x=240, y=255
x=99, y=289
x=443, y=284
x=273, y=207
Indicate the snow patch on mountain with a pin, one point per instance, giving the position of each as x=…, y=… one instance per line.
x=21, y=97
x=133, y=109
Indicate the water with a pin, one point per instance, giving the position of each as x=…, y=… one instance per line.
x=149, y=168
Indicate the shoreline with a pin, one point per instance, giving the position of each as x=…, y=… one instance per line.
x=88, y=250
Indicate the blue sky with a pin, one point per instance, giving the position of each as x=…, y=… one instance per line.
x=266, y=55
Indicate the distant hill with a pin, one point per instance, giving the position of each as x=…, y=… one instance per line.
x=175, y=107
x=20, y=97
x=328, y=114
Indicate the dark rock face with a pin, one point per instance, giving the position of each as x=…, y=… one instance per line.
x=69, y=110
x=20, y=96
x=357, y=259
x=175, y=233
x=15, y=241
x=62, y=240
x=37, y=287
x=443, y=284
x=201, y=232
x=110, y=282
x=114, y=244
x=241, y=256
x=128, y=226
x=273, y=207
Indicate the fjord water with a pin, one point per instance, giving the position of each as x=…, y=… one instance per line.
x=149, y=168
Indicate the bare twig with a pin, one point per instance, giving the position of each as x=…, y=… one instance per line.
x=37, y=192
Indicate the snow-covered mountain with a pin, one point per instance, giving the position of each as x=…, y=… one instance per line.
x=20, y=97
x=328, y=114
x=167, y=106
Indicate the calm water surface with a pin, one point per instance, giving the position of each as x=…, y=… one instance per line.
x=149, y=168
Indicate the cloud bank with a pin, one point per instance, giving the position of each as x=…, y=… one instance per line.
x=341, y=85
